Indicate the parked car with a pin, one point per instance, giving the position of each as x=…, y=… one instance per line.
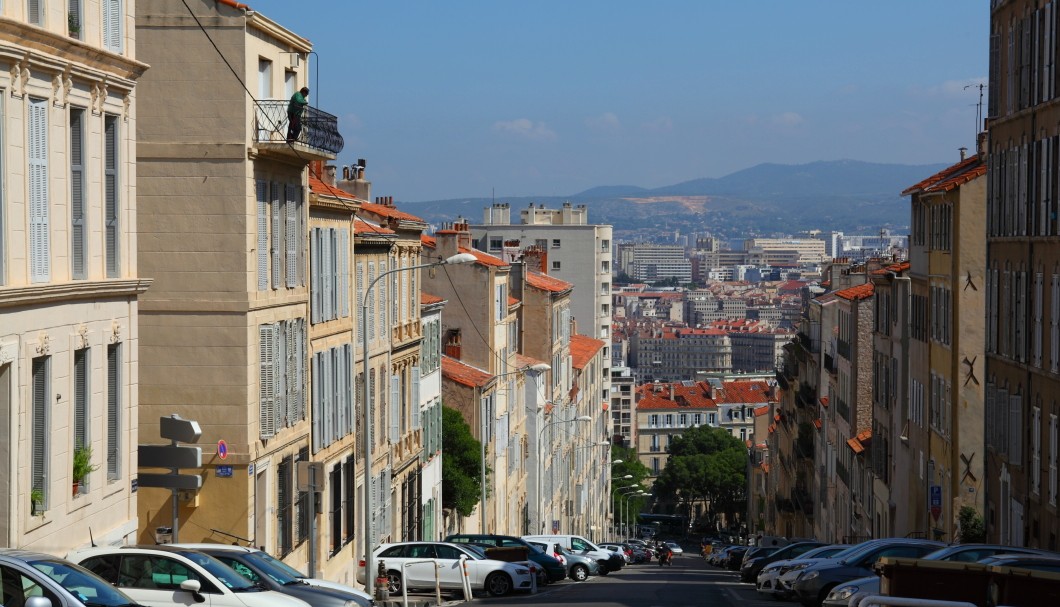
x=42, y=580
x=967, y=553
x=261, y=568
x=1024, y=561
x=413, y=565
x=734, y=557
x=552, y=570
x=769, y=580
x=579, y=545
x=719, y=557
x=620, y=550
x=816, y=581
x=169, y=576
x=751, y=567
x=579, y=567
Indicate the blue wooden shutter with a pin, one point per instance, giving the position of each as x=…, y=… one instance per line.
x=111, y=198
x=77, y=192
x=39, y=229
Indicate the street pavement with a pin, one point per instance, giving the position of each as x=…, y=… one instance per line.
x=689, y=582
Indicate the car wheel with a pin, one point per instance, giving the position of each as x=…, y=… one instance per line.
x=393, y=583
x=604, y=569
x=498, y=584
x=542, y=578
x=579, y=573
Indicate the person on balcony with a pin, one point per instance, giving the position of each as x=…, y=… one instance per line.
x=295, y=109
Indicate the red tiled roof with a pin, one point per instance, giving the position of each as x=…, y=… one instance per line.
x=743, y=392
x=427, y=299
x=791, y=285
x=512, y=301
x=234, y=4
x=320, y=188
x=760, y=411
x=582, y=349
x=895, y=267
x=363, y=227
x=480, y=257
x=463, y=373
x=385, y=210
x=701, y=395
x=547, y=283
x=526, y=361
x=950, y=177
x=857, y=293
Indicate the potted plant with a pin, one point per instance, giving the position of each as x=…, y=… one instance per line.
x=36, y=499
x=73, y=25
x=82, y=466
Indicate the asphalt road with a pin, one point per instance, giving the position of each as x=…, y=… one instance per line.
x=690, y=582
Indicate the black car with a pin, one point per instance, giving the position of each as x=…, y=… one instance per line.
x=754, y=565
x=734, y=557
x=554, y=570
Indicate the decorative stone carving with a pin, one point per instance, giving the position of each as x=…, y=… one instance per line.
x=126, y=102
x=115, y=333
x=8, y=352
x=82, y=337
x=43, y=344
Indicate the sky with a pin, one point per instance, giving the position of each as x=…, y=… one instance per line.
x=501, y=98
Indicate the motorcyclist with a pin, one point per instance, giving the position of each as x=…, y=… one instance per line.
x=665, y=554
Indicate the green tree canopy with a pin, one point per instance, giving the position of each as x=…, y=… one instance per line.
x=461, y=463
x=705, y=464
x=632, y=466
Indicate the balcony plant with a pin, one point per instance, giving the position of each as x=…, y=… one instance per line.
x=36, y=500
x=82, y=466
x=73, y=25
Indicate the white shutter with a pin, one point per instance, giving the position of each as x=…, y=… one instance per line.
x=263, y=234
x=293, y=408
x=111, y=197
x=327, y=389
x=112, y=20
x=326, y=275
x=280, y=370
x=40, y=231
x=347, y=366
x=371, y=303
x=314, y=275
x=395, y=405
x=78, y=239
x=416, y=425
x=277, y=235
x=293, y=210
x=344, y=271
x=316, y=405
x=267, y=380
x=300, y=386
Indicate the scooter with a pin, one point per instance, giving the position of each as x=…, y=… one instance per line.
x=666, y=557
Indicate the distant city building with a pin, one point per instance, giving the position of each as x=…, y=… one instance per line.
x=862, y=247
x=623, y=429
x=654, y=262
x=787, y=250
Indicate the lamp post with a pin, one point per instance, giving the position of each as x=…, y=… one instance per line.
x=620, y=491
x=484, y=430
x=540, y=458
x=589, y=518
x=611, y=502
x=366, y=413
x=640, y=493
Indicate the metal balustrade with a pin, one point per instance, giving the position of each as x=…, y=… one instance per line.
x=320, y=130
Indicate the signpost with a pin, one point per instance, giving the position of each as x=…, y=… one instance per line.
x=936, y=501
x=174, y=457
x=310, y=478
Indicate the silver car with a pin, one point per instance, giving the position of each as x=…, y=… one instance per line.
x=44, y=579
x=579, y=567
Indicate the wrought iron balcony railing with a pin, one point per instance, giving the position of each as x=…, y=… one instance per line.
x=320, y=129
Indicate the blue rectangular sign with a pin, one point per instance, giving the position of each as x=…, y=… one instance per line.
x=936, y=495
x=224, y=471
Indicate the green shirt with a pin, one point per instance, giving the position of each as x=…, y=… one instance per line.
x=297, y=103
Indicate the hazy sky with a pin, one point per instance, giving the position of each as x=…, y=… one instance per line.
x=455, y=99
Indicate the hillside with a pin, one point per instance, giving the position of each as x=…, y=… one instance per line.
x=845, y=195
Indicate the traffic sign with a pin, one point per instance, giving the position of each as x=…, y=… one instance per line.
x=936, y=501
x=224, y=472
x=169, y=456
x=222, y=449
x=178, y=429
x=171, y=481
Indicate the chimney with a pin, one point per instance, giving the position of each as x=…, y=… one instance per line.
x=671, y=392
x=536, y=258
x=453, y=344
x=981, y=142
x=329, y=175
x=964, y=152
x=353, y=181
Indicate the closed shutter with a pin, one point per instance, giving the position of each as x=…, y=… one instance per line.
x=277, y=235
x=1016, y=430
x=293, y=210
x=373, y=501
x=279, y=371
x=34, y=14
x=371, y=405
x=112, y=18
x=39, y=427
x=113, y=411
x=347, y=371
x=262, y=191
x=349, y=499
x=317, y=404
x=326, y=275
x=77, y=190
x=416, y=424
x=335, y=265
x=383, y=296
x=39, y=229
x=315, y=282
x=395, y=403
x=361, y=319
x=111, y=200
x=371, y=303
x=388, y=506
x=80, y=398
x=300, y=385
x=344, y=272
x=294, y=407
x=267, y=381
x=328, y=393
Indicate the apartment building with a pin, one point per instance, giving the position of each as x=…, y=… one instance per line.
x=676, y=354
x=1022, y=373
x=70, y=277
x=947, y=259
x=787, y=250
x=224, y=232
x=623, y=414
x=430, y=407
x=654, y=262
x=590, y=471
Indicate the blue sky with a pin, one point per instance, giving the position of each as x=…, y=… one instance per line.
x=458, y=99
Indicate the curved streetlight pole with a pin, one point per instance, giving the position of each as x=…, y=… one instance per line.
x=366, y=413
x=621, y=493
x=589, y=518
x=640, y=493
x=540, y=457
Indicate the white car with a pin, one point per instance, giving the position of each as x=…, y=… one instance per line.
x=768, y=582
x=413, y=564
x=165, y=576
x=617, y=550
x=677, y=550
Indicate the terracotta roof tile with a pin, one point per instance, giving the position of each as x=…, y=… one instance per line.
x=463, y=373
x=482, y=258
x=582, y=349
x=512, y=301
x=427, y=299
x=760, y=411
x=363, y=227
x=390, y=212
x=547, y=283
x=855, y=446
x=950, y=177
x=320, y=188
x=526, y=361
x=857, y=293
x=897, y=268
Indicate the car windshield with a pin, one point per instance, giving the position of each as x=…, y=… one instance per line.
x=281, y=575
x=89, y=588
x=476, y=551
x=856, y=552
x=224, y=574
x=824, y=552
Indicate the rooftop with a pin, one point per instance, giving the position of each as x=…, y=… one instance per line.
x=582, y=349
x=463, y=373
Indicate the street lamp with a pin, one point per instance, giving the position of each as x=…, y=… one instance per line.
x=641, y=493
x=589, y=515
x=366, y=414
x=484, y=430
x=619, y=491
x=540, y=459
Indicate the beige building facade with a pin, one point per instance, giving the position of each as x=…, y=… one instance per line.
x=70, y=282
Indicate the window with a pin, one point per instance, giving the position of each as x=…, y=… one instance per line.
x=500, y=300
x=556, y=266
x=555, y=243
x=349, y=473
x=655, y=466
x=1036, y=450
x=669, y=419
x=653, y=420
x=78, y=241
x=39, y=426
x=281, y=376
x=265, y=79
x=605, y=246
x=113, y=411
x=1052, y=458
x=262, y=189
x=496, y=244
x=113, y=15
x=697, y=419
x=301, y=505
x=654, y=443
x=335, y=514
x=81, y=393
x=37, y=156
x=332, y=396
x=329, y=270
x=285, y=485
x=289, y=84
x=111, y=197
x=35, y=12
x=682, y=419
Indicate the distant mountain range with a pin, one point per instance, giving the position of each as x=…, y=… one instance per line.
x=846, y=195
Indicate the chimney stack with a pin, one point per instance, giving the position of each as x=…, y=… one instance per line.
x=329, y=175
x=964, y=153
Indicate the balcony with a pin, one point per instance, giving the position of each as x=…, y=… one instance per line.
x=319, y=139
x=806, y=397
x=801, y=500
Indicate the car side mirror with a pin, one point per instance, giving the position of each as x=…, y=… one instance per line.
x=193, y=586
x=38, y=601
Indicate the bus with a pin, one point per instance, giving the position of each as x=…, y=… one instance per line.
x=661, y=525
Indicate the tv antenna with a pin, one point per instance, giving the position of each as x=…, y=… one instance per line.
x=978, y=106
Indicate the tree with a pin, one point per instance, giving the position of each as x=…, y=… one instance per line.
x=461, y=464
x=971, y=525
x=632, y=466
x=705, y=465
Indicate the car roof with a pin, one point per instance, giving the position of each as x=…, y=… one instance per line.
x=26, y=555
x=215, y=547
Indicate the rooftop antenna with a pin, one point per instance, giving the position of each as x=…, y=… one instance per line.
x=978, y=106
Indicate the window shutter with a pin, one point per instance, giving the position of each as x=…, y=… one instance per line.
x=267, y=381
x=327, y=388
x=113, y=411
x=344, y=271
x=40, y=426
x=279, y=370
x=395, y=403
x=361, y=320
x=327, y=274
x=39, y=234
x=317, y=407
x=293, y=408
x=300, y=385
x=77, y=189
x=315, y=282
x=1015, y=428
x=292, y=239
x=262, y=190
x=111, y=202
x=277, y=235
x=373, y=533
x=416, y=425
x=80, y=397
x=112, y=18
x=371, y=303
x=348, y=397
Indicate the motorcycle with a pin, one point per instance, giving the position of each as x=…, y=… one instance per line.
x=666, y=557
